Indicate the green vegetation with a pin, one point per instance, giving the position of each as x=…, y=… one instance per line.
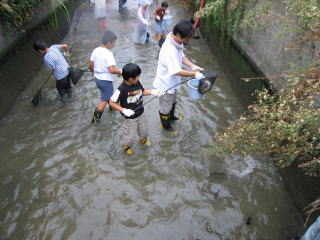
x=15, y=14
x=223, y=16
x=285, y=123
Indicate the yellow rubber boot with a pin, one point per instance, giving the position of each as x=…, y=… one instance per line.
x=145, y=142
x=128, y=150
x=165, y=121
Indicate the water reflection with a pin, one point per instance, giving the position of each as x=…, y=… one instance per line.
x=62, y=178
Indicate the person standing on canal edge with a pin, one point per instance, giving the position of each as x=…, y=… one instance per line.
x=169, y=71
x=129, y=96
x=54, y=60
x=159, y=13
x=102, y=65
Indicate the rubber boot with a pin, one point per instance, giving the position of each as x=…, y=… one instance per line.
x=165, y=121
x=69, y=92
x=145, y=141
x=96, y=116
x=128, y=150
x=172, y=116
x=63, y=96
x=147, y=39
x=156, y=36
x=163, y=35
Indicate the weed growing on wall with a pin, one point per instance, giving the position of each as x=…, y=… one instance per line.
x=15, y=14
x=223, y=16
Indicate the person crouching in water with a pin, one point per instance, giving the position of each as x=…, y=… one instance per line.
x=54, y=60
x=169, y=71
x=159, y=13
x=127, y=99
x=102, y=64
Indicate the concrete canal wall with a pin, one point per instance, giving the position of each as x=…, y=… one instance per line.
x=19, y=62
x=265, y=50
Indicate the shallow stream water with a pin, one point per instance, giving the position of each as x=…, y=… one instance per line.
x=63, y=178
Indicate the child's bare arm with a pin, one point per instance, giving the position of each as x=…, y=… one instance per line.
x=154, y=12
x=154, y=92
x=64, y=46
x=115, y=106
x=91, y=66
x=146, y=92
x=114, y=70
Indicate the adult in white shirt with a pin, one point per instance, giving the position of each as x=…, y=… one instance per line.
x=142, y=31
x=102, y=65
x=169, y=71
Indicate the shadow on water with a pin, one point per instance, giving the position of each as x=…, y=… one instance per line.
x=63, y=178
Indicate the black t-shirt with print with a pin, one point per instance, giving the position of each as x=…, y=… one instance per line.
x=131, y=97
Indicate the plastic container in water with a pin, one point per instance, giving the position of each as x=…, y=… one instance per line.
x=193, y=89
x=167, y=19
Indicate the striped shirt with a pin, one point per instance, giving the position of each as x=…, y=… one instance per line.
x=55, y=61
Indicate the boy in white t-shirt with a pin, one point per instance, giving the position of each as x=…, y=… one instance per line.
x=169, y=71
x=102, y=65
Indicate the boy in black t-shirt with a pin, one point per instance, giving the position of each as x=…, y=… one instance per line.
x=127, y=99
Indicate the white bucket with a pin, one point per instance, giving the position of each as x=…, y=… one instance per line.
x=167, y=19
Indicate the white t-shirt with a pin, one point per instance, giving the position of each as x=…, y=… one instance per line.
x=102, y=58
x=100, y=9
x=169, y=63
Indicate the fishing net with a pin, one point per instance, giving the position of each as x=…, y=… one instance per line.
x=206, y=84
x=75, y=75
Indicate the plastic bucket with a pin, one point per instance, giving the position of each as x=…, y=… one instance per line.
x=167, y=19
x=193, y=89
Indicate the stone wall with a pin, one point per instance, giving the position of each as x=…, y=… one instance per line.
x=265, y=50
x=8, y=38
x=19, y=62
x=266, y=47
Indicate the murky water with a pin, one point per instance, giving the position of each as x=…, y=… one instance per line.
x=63, y=178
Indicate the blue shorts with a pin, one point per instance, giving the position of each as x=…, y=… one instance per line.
x=160, y=28
x=106, y=89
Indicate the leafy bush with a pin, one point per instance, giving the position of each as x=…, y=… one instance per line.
x=15, y=13
x=284, y=125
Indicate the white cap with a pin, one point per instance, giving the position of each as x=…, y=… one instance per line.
x=144, y=2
